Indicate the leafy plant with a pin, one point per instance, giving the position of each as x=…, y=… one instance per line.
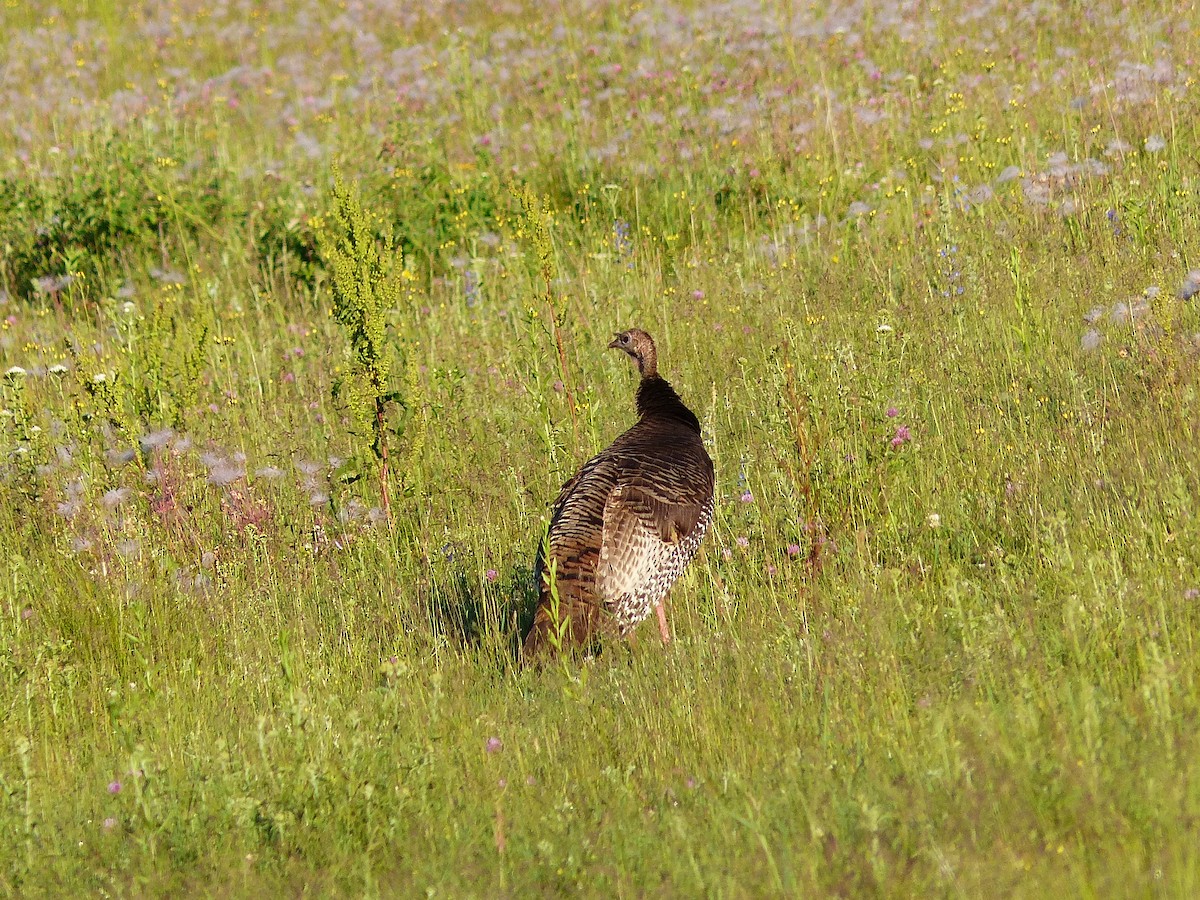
x=366, y=287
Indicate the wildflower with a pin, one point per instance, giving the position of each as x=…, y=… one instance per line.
x=110, y=823
x=902, y=437
x=166, y=276
x=935, y=521
x=892, y=412
x=57, y=369
x=27, y=613
x=493, y=745
x=1191, y=594
x=117, y=458
x=471, y=287
x=271, y=473
x=726, y=553
x=15, y=372
x=222, y=471
x=771, y=570
x=621, y=241
x=492, y=575
x=114, y=787
x=99, y=378
x=1191, y=285
x=156, y=439
x=308, y=467
x=1091, y=340
x=1154, y=143
x=793, y=550
x=980, y=194
x=883, y=329
x=128, y=308
x=114, y=498
x=747, y=497
x=52, y=284
x=1036, y=193
x=743, y=542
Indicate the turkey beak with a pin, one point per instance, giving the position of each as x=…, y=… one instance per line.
x=615, y=343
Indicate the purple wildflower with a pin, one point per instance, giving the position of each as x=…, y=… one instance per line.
x=493, y=745
x=903, y=436
x=1191, y=285
x=492, y=575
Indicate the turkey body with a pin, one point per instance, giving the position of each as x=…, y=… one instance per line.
x=627, y=524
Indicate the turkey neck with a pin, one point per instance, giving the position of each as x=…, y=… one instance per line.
x=655, y=397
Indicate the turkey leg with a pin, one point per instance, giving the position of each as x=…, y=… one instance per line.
x=661, y=608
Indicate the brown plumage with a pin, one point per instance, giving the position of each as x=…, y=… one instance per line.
x=625, y=527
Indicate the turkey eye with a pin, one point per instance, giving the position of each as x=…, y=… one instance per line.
x=624, y=339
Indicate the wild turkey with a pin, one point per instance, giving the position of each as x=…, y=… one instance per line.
x=625, y=527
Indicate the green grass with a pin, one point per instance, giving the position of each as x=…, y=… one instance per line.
x=961, y=662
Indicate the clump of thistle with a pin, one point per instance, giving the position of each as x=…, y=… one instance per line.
x=366, y=285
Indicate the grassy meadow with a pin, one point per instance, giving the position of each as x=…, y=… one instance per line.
x=928, y=274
